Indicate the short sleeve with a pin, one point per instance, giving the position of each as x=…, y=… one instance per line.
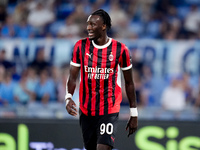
x=75, y=61
x=125, y=59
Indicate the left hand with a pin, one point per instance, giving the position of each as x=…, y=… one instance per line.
x=132, y=125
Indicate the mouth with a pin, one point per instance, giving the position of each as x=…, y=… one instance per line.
x=90, y=34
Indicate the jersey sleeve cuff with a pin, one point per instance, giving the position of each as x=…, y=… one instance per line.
x=127, y=68
x=75, y=64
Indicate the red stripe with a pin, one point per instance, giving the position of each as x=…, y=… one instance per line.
x=117, y=92
x=128, y=62
x=86, y=75
x=93, y=102
x=81, y=83
x=118, y=97
x=110, y=86
x=84, y=110
x=121, y=59
x=75, y=51
x=103, y=65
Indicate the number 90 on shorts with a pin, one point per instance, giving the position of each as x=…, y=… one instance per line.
x=106, y=128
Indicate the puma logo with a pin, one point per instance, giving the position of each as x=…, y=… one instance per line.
x=90, y=55
x=113, y=139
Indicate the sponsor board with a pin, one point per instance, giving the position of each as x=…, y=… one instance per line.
x=65, y=135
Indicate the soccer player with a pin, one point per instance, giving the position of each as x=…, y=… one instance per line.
x=99, y=59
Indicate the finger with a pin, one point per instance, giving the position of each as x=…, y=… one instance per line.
x=130, y=132
x=71, y=105
x=72, y=112
x=74, y=108
x=74, y=104
x=127, y=127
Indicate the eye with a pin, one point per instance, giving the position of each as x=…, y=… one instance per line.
x=92, y=24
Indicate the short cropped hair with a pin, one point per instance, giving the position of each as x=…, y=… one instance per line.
x=105, y=16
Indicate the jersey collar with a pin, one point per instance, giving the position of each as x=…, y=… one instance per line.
x=102, y=46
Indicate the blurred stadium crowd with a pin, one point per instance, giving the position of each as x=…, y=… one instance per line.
x=157, y=19
x=133, y=19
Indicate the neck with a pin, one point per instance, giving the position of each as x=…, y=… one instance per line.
x=102, y=40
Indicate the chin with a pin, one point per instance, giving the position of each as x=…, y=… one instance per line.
x=91, y=37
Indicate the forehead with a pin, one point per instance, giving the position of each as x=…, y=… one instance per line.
x=94, y=18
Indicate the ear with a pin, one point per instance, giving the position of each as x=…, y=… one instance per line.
x=104, y=27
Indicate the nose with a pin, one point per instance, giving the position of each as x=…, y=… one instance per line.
x=89, y=27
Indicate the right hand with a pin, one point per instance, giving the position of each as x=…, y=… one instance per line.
x=71, y=108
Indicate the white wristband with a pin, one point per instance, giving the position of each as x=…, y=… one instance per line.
x=68, y=95
x=67, y=101
x=133, y=112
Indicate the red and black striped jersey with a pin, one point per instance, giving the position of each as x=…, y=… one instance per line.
x=100, y=79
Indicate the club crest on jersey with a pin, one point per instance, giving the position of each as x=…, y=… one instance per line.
x=111, y=57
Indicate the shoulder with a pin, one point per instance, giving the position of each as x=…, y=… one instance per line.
x=123, y=46
x=82, y=41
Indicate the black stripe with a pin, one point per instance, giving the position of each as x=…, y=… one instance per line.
x=124, y=59
x=82, y=68
x=72, y=54
x=118, y=52
x=108, y=65
x=90, y=60
x=78, y=56
x=97, y=89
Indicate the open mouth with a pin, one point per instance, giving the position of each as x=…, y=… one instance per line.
x=90, y=33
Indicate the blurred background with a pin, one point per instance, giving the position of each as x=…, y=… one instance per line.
x=37, y=39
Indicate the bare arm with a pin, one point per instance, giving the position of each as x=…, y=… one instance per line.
x=130, y=88
x=73, y=74
x=130, y=91
x=71, y=85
